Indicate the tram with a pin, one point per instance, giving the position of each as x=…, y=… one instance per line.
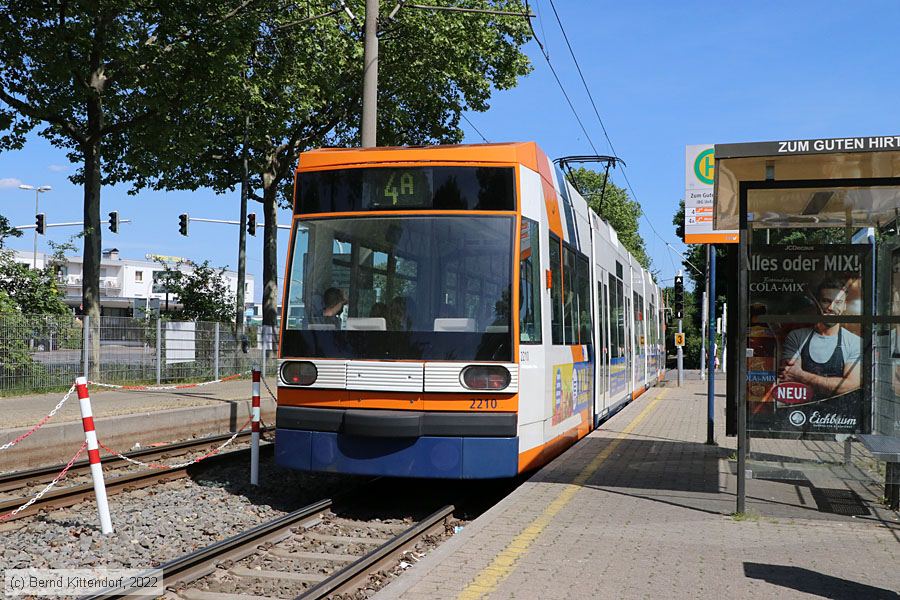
x=453, y=312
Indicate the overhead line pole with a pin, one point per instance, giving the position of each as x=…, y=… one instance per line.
x=680, y=351
x=369, y=126
x=711, y=367
x=368, y=133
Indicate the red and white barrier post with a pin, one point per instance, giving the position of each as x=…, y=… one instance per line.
x=90, y=435
x=254, y=431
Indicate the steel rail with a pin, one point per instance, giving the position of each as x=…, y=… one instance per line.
x=346, y=578
x=194, y=565
x=69, y=496
x=18, y=479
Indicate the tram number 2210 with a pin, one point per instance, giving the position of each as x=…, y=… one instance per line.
x=483, y=403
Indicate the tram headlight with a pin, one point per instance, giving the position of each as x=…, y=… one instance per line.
x=299, y=373
x=485, y=377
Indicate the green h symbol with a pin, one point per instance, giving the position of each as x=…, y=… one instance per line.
x=705, y=166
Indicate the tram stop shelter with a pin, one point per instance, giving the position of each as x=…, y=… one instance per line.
x=814, y=380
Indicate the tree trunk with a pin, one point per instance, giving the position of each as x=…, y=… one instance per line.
x=270, y=255
x=90, y=276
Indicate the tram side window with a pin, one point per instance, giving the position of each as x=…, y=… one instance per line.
x=570, y=312
x=570, y=295
x=584, y=300
x=530, y=283
x=556, y=306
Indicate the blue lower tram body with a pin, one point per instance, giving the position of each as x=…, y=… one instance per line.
x=444, y=457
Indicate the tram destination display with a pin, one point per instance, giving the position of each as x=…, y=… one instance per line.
x=387, y=188
x=805, y=372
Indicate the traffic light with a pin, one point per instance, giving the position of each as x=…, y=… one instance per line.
x=40, y=222
x=114, y=221
x=183, y=223
x=251, y=223
x=679, y=297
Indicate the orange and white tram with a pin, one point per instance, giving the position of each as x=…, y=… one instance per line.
x=453, y=312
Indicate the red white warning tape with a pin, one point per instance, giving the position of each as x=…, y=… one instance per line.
x=40, y=423
x=268, y=389
x=184, y=386
x=153, y=465
x=56, y=480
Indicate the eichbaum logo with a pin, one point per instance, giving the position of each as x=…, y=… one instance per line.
x=830, y=420
x=797, y=418
x=705, y=166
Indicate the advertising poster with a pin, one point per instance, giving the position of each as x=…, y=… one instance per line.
x=618, y=371
x=573, y=388
x=805, y=341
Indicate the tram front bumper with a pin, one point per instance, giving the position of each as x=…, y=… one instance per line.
x=426, y=456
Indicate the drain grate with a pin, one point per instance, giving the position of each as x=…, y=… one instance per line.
x=775, y=473
x=839, y=502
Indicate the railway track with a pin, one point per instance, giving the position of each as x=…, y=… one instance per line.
x=20, y=479
x=74, y=494
x=310, y=553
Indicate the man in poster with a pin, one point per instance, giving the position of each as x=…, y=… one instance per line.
x=825, y=357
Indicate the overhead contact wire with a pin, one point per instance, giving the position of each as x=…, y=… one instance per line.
x=558, y=81
x=602, y=125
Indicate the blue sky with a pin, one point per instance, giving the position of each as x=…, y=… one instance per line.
x=663, y=75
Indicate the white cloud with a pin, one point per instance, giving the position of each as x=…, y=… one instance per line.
x=58, y=168
x=9, y=182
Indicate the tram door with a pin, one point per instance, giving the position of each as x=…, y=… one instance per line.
x=602, y=347
x=629, y=346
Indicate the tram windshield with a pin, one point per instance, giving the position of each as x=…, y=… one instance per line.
x=392, y=287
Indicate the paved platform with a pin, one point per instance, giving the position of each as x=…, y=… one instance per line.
x=124, y=418
x=642, y=508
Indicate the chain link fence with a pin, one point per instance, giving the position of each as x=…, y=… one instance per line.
x=44, y=352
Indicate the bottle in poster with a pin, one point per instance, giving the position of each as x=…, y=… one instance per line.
x=761, y=362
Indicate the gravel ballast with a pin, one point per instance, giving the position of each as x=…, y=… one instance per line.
x=156, y=524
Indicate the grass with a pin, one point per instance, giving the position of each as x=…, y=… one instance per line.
x=745, y=516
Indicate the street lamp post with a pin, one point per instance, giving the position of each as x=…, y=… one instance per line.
x=37, y=194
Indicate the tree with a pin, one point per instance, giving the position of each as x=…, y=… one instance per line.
x=98, y=77
x=615, y=207
x=202, y=292
x=7, y=231
x=32, y=291
x=301, y=88
x=32, y=312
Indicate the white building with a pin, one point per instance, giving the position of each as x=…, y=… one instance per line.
x=124, y=282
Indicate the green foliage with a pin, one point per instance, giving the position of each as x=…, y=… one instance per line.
x=202, y=292
x=30, y=291
x=616, y=207
x=300, y=88
x=7, y=231
x=98, y=78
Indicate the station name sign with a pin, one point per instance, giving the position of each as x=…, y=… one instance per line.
x=877, y=143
